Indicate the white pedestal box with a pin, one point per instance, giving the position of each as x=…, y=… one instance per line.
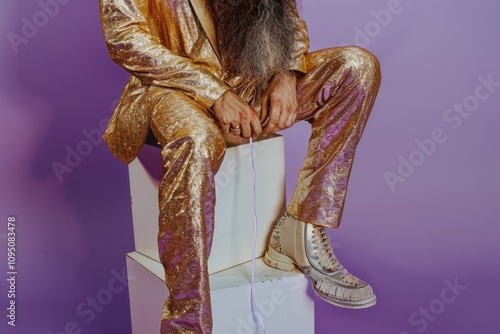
x=281, y=297
x=232, y=243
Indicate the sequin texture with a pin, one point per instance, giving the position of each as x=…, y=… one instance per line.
x=168, y=48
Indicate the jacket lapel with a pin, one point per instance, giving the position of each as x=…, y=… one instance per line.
x=207, y=22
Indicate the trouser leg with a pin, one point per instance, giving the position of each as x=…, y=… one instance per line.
x=193, y=150
x=336, y=96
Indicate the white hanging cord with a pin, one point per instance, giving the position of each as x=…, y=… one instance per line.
x=254, y=304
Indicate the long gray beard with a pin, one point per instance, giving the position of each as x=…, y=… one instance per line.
x=255, y=37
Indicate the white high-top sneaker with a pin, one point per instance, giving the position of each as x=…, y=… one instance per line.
x=294, y=242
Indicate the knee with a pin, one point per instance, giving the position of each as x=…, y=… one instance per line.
x=209, y=141
x=204, y=142
x=361, y=62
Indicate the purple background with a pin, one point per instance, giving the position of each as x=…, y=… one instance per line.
x=440, y=225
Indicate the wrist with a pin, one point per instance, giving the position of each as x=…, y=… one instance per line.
x=287, y=75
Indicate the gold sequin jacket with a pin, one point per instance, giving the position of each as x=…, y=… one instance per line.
x=165, y=45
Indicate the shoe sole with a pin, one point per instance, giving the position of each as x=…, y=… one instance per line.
x=282, y=262
x=342, y=303
x=277, y=260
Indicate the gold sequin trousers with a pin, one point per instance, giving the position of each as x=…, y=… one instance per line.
x=336, y=96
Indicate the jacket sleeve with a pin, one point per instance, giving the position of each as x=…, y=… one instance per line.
x=132, y=46
x=301, y=45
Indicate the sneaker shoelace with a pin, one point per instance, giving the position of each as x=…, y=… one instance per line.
x=323, y=249
x=326, y=257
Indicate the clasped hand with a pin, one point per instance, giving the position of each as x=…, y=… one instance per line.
x=278, y=109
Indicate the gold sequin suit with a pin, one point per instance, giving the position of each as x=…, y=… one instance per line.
x=169, y=48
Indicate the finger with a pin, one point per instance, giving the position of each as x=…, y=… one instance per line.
x=290, y=120
x=225, y=127
x=220, y=116
x=246, y=115
x=235, y=129
x=256, y=127
x=281, y=124
x=246, y=130
x=285, y=112
x=274, y=117
x=264, y=109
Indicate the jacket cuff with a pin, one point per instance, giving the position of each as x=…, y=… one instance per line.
x=211, y=94
x=300, y=65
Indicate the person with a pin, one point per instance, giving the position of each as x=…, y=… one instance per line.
x=203, y=69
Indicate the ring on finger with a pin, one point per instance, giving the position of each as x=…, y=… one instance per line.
x=235, y=130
